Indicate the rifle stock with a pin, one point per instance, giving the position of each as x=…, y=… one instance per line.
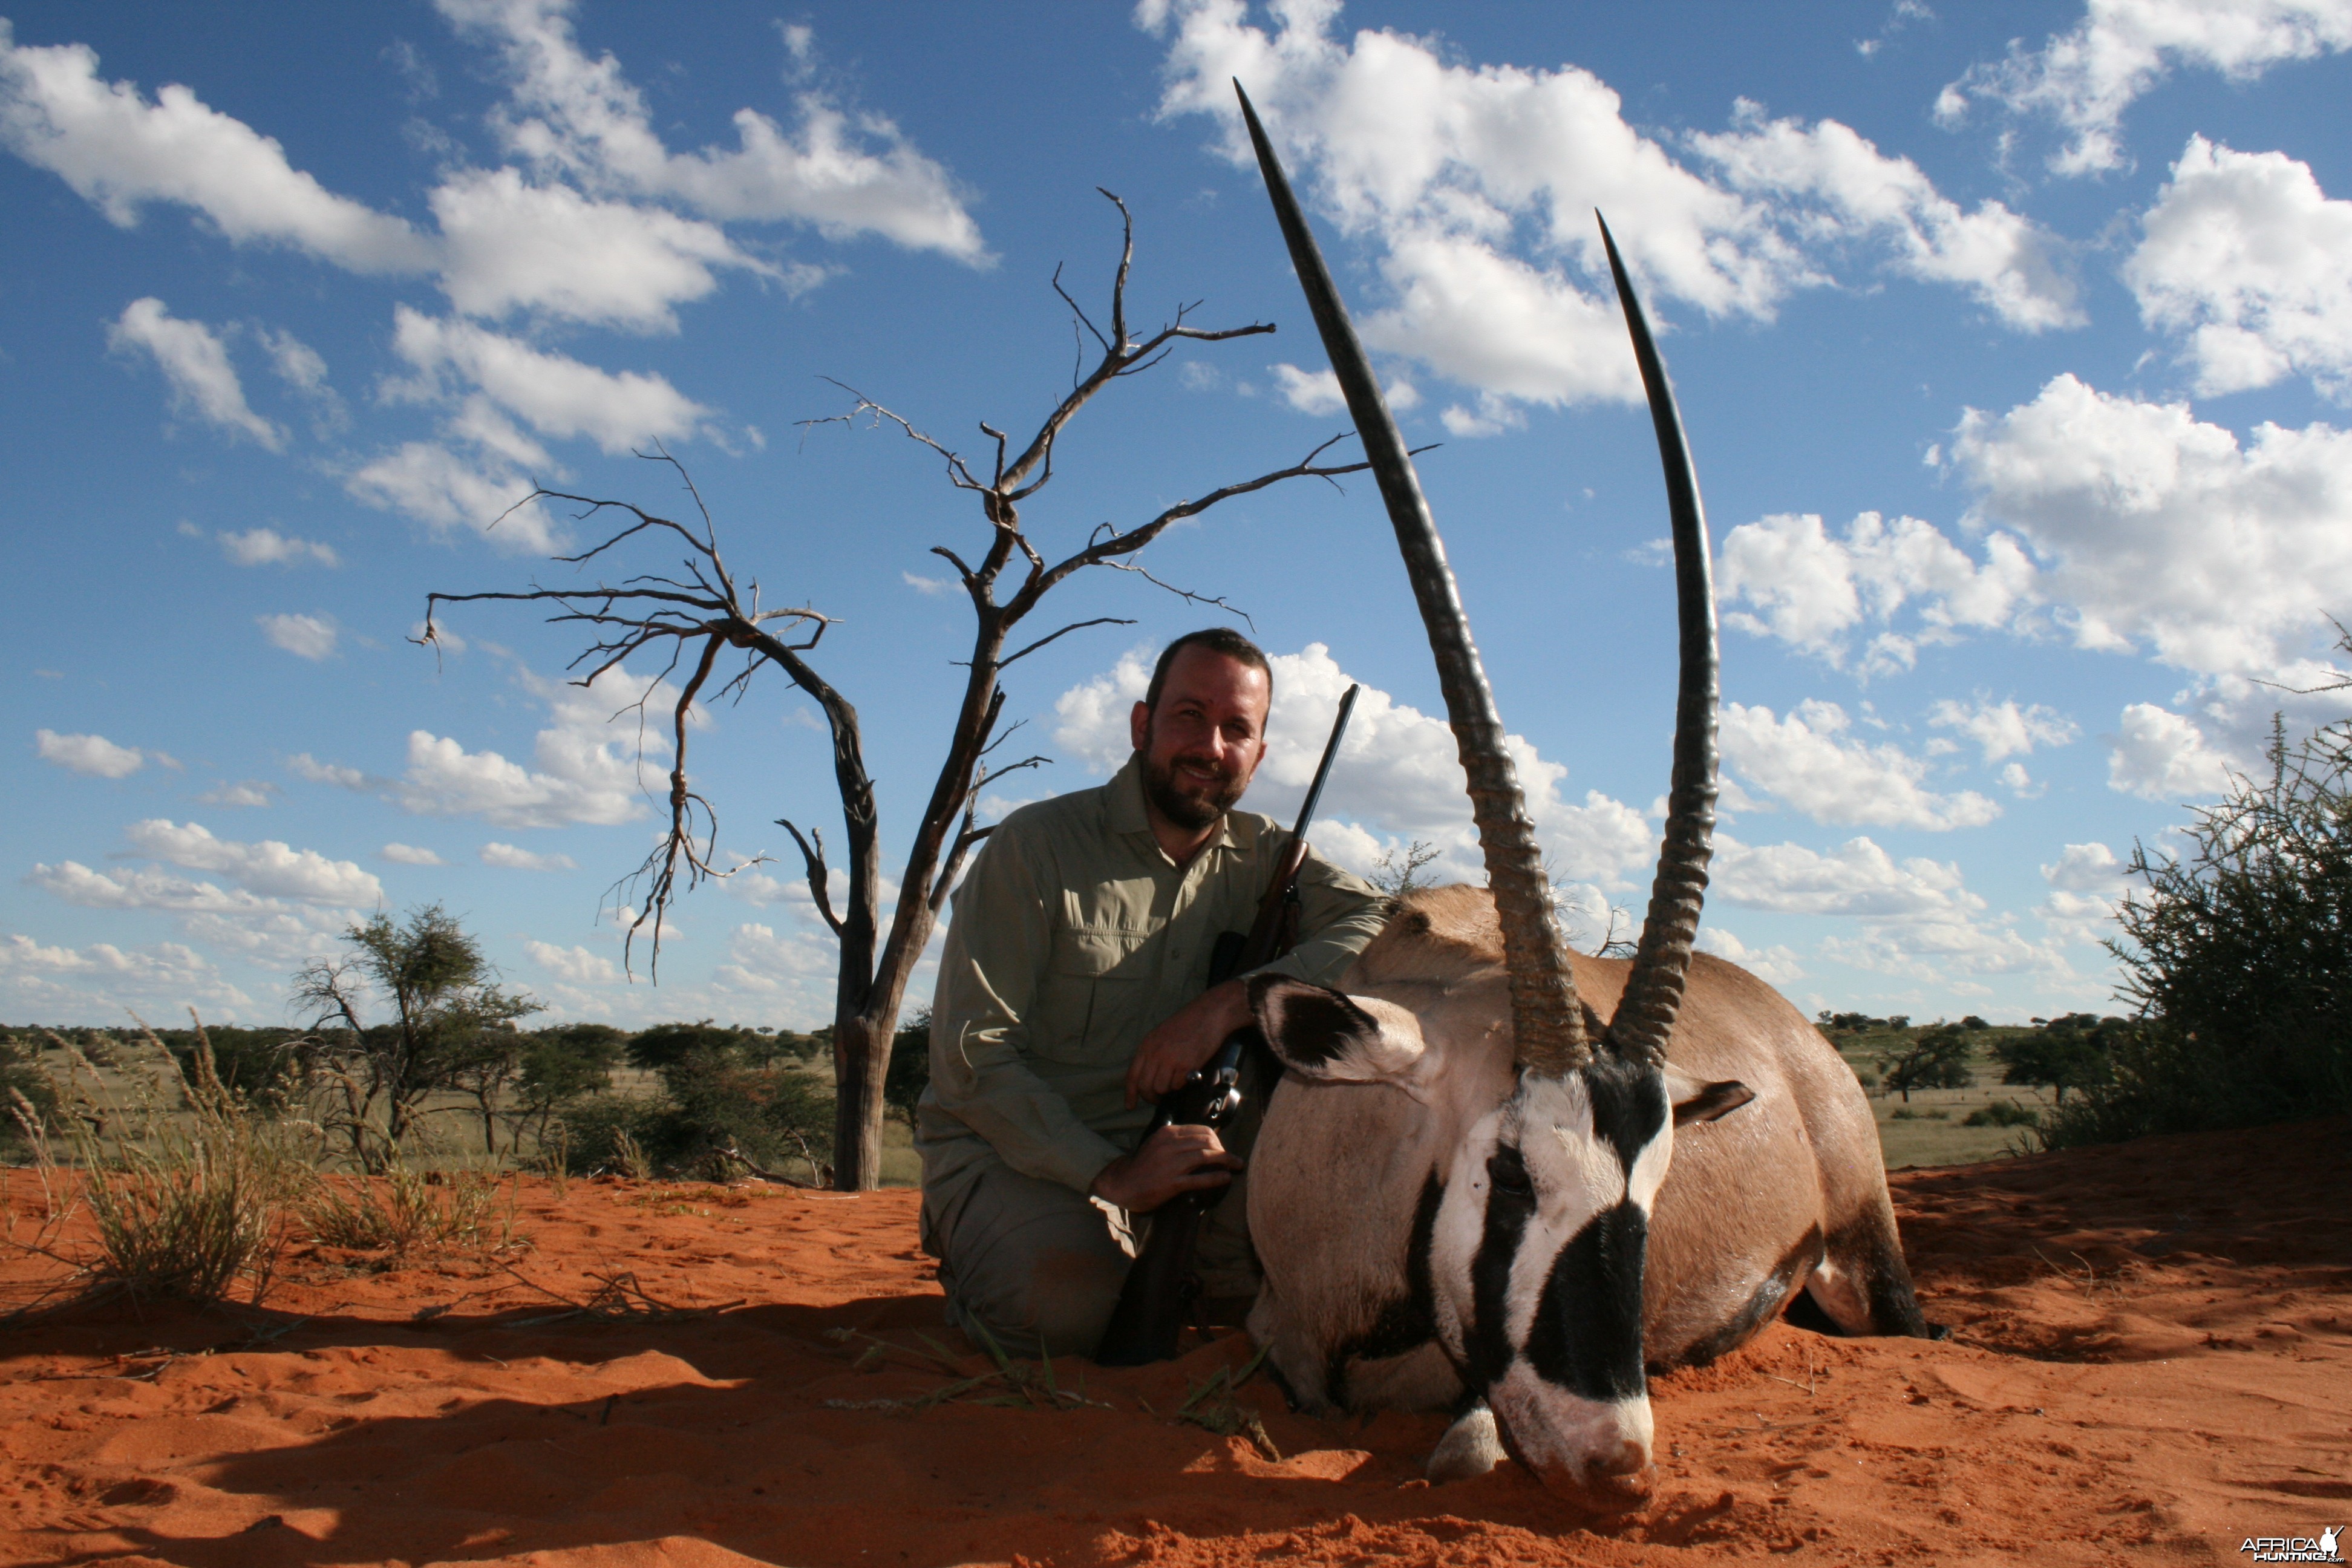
x=1145, y=1325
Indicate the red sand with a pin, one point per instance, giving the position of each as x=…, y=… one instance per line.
x=2151, y=1361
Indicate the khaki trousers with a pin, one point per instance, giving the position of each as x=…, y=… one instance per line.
x=1039, y=1265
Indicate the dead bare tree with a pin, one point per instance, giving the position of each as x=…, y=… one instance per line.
x=702, y=613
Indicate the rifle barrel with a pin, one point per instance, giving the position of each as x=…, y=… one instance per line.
x=1323, y=769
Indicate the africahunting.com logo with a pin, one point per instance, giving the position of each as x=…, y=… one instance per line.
x=2294, y=1548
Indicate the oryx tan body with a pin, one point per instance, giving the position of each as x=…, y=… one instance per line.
x=1785, y=1193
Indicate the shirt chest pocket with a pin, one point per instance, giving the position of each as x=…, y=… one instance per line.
x=1090, y=1007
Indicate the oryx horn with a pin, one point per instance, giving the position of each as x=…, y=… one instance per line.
x=1546, y=1021
x=1653, y=990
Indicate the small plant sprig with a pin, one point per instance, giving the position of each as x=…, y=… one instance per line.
x=1010, y=1383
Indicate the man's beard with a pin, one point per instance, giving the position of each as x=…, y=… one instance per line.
x=1193, y=811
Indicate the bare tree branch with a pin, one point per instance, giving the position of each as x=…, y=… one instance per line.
x=813, y=857
x=1075, y=626
x=1185, y=593
x=1084, y=320
x=691, y=611
x=1102, y=547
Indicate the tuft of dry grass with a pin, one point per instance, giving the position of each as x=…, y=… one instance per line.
x=1211, y=1406
x=630, y=1159
x=405, y=1210
x=186, y=1205
x=1016, y=1385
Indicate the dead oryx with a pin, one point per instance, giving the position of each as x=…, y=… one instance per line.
x=1467, y=1191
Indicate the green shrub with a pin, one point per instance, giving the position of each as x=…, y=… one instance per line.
x=451, y=1027
x=718, y=1106
x=2067, y=1052
x=29, y=1101
x=558, y=1067
x=255, y=1063
x=604, y=1134
x=713, y=1106
x=2001, y=1113
x=911, y=1064
x=2237, y=958
x=666, y=1044
x=403, y=1211
x=1935, y=1058
x=766, y=1048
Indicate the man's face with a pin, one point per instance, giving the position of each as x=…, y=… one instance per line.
x=1202, y=745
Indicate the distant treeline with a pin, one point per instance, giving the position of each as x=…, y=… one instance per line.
x=721, y=1096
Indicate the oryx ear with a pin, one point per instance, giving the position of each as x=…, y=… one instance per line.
x=1697, y=1101
x=1324, y=1034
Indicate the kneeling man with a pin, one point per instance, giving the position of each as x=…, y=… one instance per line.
x=1074, y=992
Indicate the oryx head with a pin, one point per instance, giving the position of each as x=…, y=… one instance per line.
x=1536, y=1247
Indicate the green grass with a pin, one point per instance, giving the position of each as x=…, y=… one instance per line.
x=1923, y=1139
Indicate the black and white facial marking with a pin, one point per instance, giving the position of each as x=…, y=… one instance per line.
x=1537, y=1259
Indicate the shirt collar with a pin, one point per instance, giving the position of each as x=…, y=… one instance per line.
x=1124, y=813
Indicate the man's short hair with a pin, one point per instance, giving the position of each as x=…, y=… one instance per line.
x=1216, y=639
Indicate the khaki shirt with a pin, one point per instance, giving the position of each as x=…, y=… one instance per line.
x=1075, y=935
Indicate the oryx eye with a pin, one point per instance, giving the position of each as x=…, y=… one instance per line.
x=1508, y=1172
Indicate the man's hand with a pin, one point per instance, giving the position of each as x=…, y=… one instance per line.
x=1177, y=1159
x=1183, y=1045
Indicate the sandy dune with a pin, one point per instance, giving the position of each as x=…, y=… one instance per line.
x=2152, y=1360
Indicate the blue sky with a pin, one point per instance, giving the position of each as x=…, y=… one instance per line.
x=2014, y=343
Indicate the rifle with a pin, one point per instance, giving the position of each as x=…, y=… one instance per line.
x=1159, y=1285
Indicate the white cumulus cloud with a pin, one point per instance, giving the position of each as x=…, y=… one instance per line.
x=2160, y=528
x=1858, y=877
x=410, y=855
x=1309, y=392
x=439, y=487
x=271, y=868
x=2113, y=522
x=2087, y=881
x=1914, y=917
x=512, y=245
x=92, y=754
x=241, y=793
x=587, y=762
x=195, y=365
x=1852, y=190
x=266, y=930
x=103, y=980
x=1474, y=188
x=1823, y=592
x=305, y=766
x=576, y=965
x=305, y=636
x=2085, y=78
x=2159, y=756
x=557, y=396
x=761, y=961
x=1807, y=760
x=268, y=547
x=846, y=172
x=2003, y=729
x=120, y=151
x=2245, y=256
x=515, y=858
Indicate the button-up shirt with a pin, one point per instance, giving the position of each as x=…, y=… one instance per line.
x=1074, y=936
